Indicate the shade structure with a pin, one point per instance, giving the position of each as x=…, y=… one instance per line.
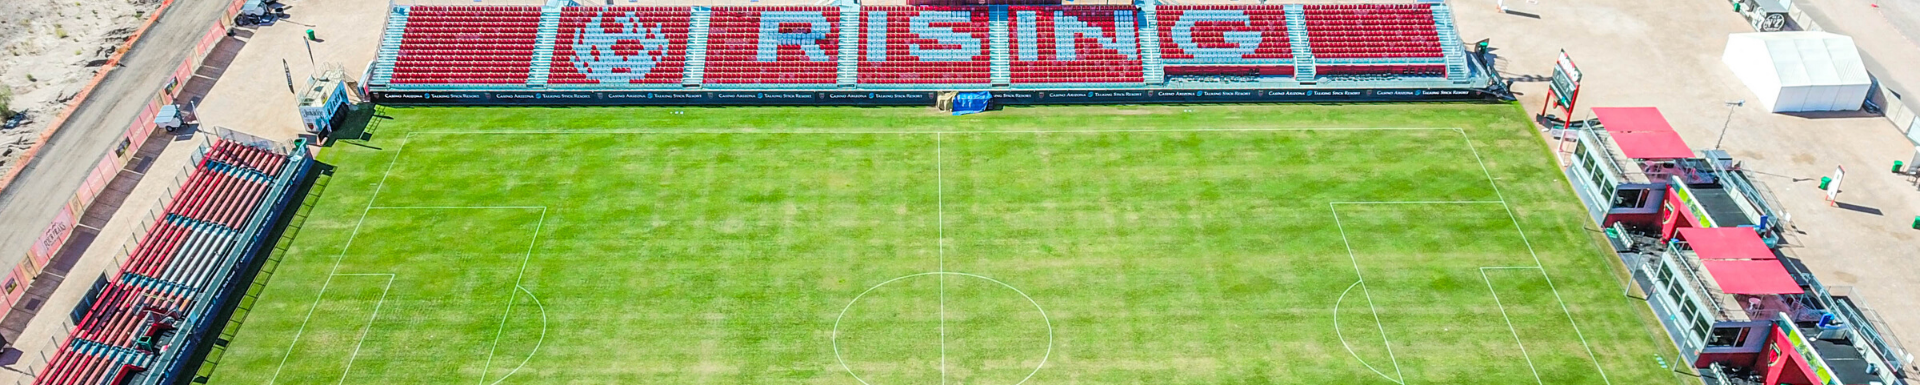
x=1799, y=71
x=1631, y=119
x=1652, y=145
x=1726, y=243
x=1752, y=277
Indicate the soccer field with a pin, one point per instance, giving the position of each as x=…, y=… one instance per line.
x=1371, y=244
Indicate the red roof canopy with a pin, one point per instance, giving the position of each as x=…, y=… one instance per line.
x=1652, y=145
x=1752, y=277
x=1632, y=119
x=1726, y=243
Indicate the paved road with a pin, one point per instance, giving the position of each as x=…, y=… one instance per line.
x=37, y=195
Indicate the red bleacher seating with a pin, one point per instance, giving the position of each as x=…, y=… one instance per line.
x=1372, y=31
x=620, y=45
x=174, y=260
x=951, y=42
x=467, y=45
x=773, y=45
x=1233, y=70
x=252, y=158
x=122, y=309
x=71, y=366
x=1385, y=70
x=1213, y=30
x=1108, y=54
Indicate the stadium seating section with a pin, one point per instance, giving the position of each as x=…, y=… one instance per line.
x=939, y=46
x=467, y=45
x=924, y=45
x=1075, y=44
x=773, y=45
x=620, y=45
x=177, y=259
x=1385, y=70
x=1372, y=31
x=1223, y=39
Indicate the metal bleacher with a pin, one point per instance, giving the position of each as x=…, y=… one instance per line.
x=389, y=46
x=144, y=323
x=543, y=46
x=697, y=46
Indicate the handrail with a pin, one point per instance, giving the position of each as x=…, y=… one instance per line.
x=216, y=293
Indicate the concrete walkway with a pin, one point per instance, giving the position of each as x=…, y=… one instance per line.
x=1666, y=54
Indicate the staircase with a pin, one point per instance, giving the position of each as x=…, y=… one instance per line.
x=1000, y=61
x=543, y=47
x=1150, y=65
x=389, y=46
x=1451, y=47
x=696, y=71
x=1303, y=64
x=849, y=70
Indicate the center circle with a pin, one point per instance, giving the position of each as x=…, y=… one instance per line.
x=942, y=327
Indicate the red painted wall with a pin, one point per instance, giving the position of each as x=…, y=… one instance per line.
x=1782, y=363
x=1675, y=215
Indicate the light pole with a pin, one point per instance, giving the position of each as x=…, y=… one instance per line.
x=1723, y=125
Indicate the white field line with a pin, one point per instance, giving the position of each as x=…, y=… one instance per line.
x=1536, y=256
x=1369, y=296
x=458, y=207
x=940, y=223
x=1510, y=328
x=508, y=313
x=536, y=343
x=853, y=132
x=366, y=329
x=834, y=337
x=1415, y=202
x=336, y=259
x=1343, y=336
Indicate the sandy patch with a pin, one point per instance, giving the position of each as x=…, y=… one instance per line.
x=49, y=49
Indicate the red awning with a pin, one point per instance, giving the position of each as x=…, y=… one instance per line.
x=1652, y=145
x=1726, y=243
x=1752, y=277
x=1632, y=119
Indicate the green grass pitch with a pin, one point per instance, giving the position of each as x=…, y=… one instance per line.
x=1369, y=244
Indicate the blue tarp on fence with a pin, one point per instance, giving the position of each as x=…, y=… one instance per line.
x=971, y=102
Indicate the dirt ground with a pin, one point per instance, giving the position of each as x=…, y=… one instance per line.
x=1666, y=54
x=49, y=49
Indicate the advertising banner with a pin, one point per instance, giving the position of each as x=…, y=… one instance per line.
x=1833, y=189
x=917, y=98
x=1820, y=369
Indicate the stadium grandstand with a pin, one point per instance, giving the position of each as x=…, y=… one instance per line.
x=569, y=53
x=140, y=325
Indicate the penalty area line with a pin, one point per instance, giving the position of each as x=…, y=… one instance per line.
x=511, y=294
x=338, y=258
x=1491, y=182
x=1510, y=328
x=365, y=330
x=1362, y=281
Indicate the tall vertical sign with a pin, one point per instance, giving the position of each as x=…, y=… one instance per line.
x=1565, y=89
x=1833, y=189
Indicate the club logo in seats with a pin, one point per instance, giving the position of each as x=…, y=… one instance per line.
x=617, y=47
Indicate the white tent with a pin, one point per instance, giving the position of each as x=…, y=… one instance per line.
x=1799, y=71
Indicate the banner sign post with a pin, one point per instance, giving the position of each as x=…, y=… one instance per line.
x=1833, y=189
x=1565, y=89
